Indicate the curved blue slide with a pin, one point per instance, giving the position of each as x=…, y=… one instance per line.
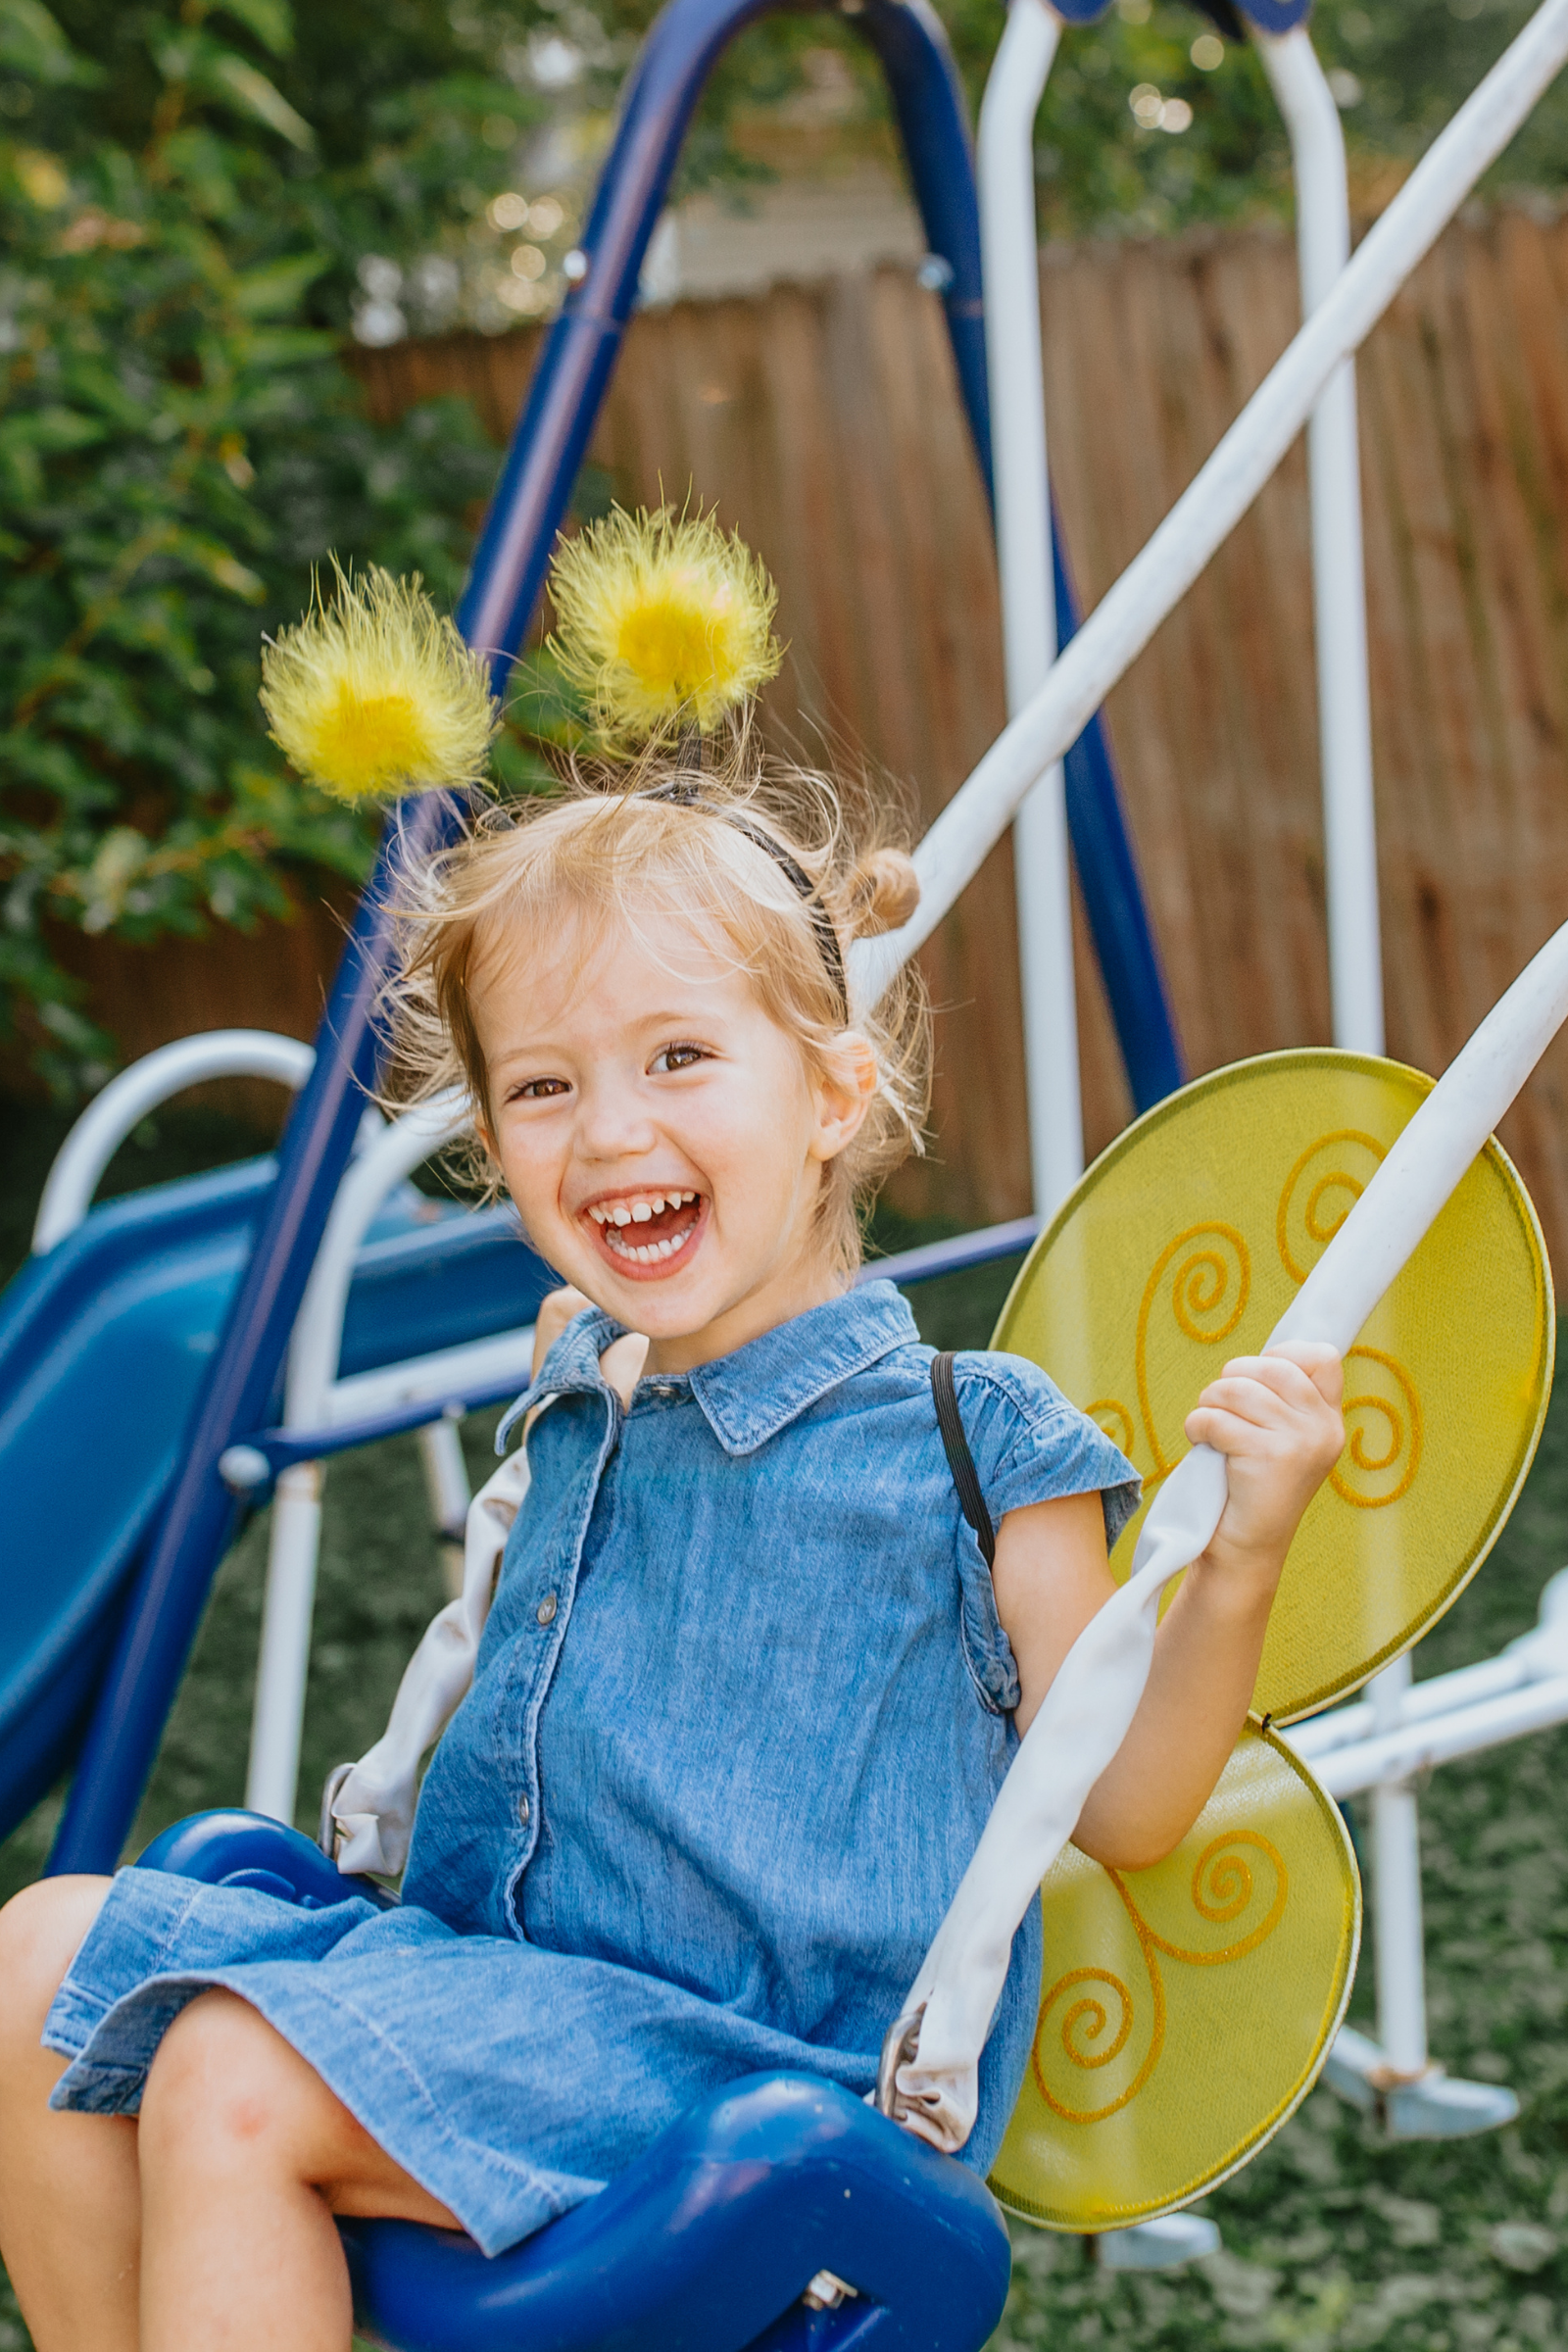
x=104, y=1344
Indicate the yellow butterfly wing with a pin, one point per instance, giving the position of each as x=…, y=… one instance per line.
x=1186, y=2009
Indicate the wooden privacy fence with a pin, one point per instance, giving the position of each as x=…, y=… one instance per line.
x=825, y=424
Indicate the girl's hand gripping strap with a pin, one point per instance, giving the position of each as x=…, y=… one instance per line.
x=371, y=1807
x=928, y=2076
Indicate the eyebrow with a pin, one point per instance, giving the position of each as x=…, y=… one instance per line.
x=673, y=1021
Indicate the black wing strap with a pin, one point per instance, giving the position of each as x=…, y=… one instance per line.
x=961, y=1461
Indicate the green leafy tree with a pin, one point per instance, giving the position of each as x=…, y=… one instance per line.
x=179, y=445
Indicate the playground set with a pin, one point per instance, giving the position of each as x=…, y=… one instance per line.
x=249, y=1324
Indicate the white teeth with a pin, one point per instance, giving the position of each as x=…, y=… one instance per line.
x=613, y=1215
x=647, y=1253
x=637, y=1212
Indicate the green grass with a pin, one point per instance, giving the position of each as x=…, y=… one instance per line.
x=1334, y=2238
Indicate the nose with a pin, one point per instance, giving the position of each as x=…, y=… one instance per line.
x=611, y=1123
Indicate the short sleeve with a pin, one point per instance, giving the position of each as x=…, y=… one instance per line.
x=1030, y=1444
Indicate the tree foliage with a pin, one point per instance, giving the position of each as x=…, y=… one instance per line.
x=180, y=443
x=1154, y=120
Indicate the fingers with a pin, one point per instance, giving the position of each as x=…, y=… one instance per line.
x=1298, y=1385
x=1232, y=1433
x=623, y=1364
x=622, y=1360
x=1323, y=1365
x=1274, y=1403
x=555, y=1314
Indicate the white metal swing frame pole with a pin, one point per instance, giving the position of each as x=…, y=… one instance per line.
x=271, y=1780
x=1339, y=583
x=1350, y=829
x=1010, y=264
x=1220, y=492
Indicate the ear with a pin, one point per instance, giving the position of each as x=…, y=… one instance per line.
x=844, y=1087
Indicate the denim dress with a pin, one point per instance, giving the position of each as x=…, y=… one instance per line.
x=741, y=1709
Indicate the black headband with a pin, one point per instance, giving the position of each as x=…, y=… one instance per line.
x=685, y=793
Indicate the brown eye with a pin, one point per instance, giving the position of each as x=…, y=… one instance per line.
x=538, y=1090
x=677, y=1057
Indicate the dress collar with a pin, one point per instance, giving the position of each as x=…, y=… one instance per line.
x=748, y=1396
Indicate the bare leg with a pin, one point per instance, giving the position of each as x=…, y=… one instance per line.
x=69, y=2199
x=245, y=2157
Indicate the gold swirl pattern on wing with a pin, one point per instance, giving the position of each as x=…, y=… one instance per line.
x=1088, y=2013
x=1112, y=1419
x=1331, y=1193
x=1211, y=1273
x=1388, y=1460
x=1087, y=2019
x=1224, y=1890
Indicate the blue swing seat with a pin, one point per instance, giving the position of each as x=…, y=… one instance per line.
x=707, y=2242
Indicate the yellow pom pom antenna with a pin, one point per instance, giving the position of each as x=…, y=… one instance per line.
x=664, y=622
x=376, y=694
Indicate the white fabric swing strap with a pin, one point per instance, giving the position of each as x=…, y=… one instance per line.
x=930, y=2061
x=372, y=1805
x=368, y=1806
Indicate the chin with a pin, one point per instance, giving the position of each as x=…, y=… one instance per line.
x=660, y=1312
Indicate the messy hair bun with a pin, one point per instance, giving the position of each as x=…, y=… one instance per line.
x=882, y=893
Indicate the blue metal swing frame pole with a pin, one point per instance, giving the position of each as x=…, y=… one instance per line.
x=528, y=508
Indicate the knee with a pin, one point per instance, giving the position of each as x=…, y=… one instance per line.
x=41, y=1930
x=223, y=2089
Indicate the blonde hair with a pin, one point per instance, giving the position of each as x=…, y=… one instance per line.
x=605, y=845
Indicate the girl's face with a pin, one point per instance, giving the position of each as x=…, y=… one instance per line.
x=664, y=1139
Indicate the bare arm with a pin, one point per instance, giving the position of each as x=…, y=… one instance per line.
x=1276, y=1418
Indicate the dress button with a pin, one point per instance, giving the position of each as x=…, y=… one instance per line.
x=523, y=1810
x=545, y=1610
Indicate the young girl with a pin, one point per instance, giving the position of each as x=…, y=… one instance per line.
x=747, y=1690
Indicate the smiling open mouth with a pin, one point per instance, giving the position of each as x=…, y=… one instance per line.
x=647, y=1229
